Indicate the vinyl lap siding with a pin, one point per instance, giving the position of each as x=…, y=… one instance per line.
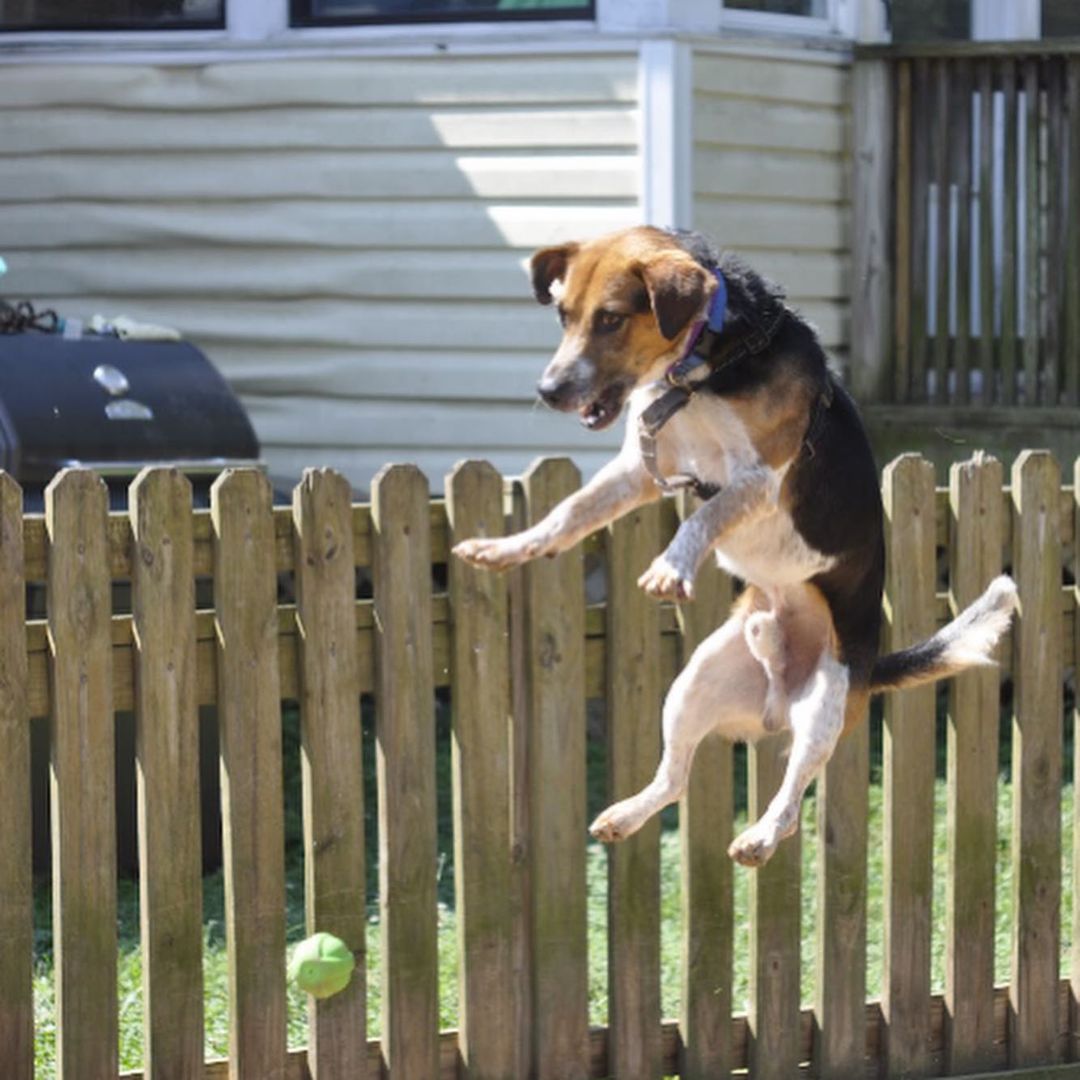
x=346, y=239
x=771, y=174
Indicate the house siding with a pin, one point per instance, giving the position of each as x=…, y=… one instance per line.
x=771, y=173
x=346, y=239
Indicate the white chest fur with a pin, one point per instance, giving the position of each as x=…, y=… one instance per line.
x=707, y=440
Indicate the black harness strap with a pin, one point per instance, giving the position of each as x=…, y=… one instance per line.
x=756, y=340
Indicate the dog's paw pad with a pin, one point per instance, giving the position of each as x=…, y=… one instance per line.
x=665, y=582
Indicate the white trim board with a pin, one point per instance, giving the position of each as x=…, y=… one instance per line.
x=665, y=145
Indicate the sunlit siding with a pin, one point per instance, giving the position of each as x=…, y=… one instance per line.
x=346, y=239
x=771, y=172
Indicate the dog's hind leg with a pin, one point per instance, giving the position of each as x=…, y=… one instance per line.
x=723, y=689
x=816, y=714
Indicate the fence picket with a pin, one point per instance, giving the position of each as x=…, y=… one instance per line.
x=775, y=908
x=1036, y=772
x=167, y=750
x=81, y=735
x=705, y=826
x=633, y=741
x=554, y=661
x=17, y=910
x=1007, y=285
x=1033, y=209
x=840, y=1005
x=245, y=596
x=405, y=734
x=333, y=787
x=908, y=771
x=483, y=868
x=975, y=547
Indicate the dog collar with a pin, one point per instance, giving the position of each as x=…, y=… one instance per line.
x=692, y=358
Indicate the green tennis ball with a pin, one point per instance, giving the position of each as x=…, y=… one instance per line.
x=322, y=965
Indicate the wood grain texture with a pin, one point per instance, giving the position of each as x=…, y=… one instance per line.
x=975, y=550
x=908, y=771
x=332, y=761
x=555, y=674
x=17, y=908
x=874, y=199
x=775, y=905
x=840, y=983
x=167, y=752
x=633, y=743
x=405, y=771
x=705, y=830
x=81, y=735
x=249, y=711
x=1036, y=770
x=481, y=768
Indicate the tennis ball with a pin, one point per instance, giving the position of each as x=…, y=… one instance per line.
x=322, y=965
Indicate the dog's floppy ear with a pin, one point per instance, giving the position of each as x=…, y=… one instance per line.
x=678, y=288
x=548, y=265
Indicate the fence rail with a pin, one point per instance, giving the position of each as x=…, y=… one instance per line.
x=969, y=171
x=327, y=601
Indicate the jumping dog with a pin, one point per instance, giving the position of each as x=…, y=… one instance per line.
x=728, y=391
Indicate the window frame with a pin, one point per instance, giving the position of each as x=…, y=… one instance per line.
x=266, y=24
x=299, y=20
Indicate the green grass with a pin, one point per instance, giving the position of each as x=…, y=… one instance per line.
x=215, y=958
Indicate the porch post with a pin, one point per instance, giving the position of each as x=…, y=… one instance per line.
x=872, y=232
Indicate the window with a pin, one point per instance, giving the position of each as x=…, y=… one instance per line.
x=111, y=14
x=328, y=12
x=1060, y=18
x=815, y=8
x=931, y=20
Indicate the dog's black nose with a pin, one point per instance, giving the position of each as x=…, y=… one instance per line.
x=554, y=393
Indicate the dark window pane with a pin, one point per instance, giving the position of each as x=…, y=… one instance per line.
x=308, y=12
x=111, y=14
x=931, y=20
x=780, y=7
x=1061, y=18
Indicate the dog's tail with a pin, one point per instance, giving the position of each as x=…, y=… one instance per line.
x=965, y=642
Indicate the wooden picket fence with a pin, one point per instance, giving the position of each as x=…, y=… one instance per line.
x=520, y=655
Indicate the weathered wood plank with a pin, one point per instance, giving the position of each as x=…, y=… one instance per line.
x=705, y=828
x=1036, y=771
x=554, y=661
x=942, y=268
x=975, y=551
x=333, y=785
x=874, y=178
x=1056, y=226
x=82, y=777
x=633, y=746
x=481, y=765
x=960, y=138
x=249, y=717
x=986, y=230
x=1072, y=644
x=840, y=984
x=1071, y=332
x=1008, y=345
x=775, y=907
x=920, y=231
x=908, y=771
x=1032, y=247
x=167, y=751
x=902, y=315
x=405, y=740
x=17, y=909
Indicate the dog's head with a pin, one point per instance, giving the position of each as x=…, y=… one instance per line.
x=626, y=303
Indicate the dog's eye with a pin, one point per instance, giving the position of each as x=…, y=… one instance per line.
x=607, y=321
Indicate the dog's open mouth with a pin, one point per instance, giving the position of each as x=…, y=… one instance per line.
x=604, y=410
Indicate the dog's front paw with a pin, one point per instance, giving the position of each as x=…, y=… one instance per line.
x=755, y=846
x=666, y=582
x=616, y=822
x=499, y=553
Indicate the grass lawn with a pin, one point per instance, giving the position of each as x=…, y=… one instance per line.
x=214, y=942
